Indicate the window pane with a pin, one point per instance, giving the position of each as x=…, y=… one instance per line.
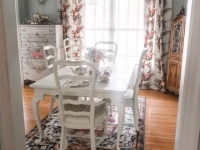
x=121, y=21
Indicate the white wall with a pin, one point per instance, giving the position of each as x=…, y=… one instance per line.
x=49, y=8
x=27, y=7
x=22, y=10
x=176, y=7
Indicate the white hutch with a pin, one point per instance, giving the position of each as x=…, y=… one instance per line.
x=32, y=38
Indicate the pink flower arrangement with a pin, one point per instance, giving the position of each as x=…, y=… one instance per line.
x=95, y=55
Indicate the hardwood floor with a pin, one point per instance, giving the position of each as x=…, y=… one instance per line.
x=161, y=113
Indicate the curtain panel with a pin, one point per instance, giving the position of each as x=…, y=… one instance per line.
x=157, y=35
x=71, y=16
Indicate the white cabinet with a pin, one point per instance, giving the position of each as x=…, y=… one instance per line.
x=32, y=38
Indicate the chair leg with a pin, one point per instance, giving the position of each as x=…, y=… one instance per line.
x=135, y=118
x=110, y=110
x=63, y=140
x=105, y=127
x=138, y=110
x=52, y=100
x=92, y=138
x=121, y=113
x=110, y=106
x=105, y=121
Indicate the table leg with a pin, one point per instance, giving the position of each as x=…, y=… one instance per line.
x=121, y=113
x=52, y=100
x=35, y=103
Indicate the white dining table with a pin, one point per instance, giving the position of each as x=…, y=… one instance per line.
x=119, y=81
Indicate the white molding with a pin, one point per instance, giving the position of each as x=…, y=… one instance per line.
x=187, y=132
x=11, y=109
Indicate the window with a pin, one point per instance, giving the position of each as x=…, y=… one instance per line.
x=121, y=21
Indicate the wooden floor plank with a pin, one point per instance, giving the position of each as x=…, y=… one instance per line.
x=161, y=114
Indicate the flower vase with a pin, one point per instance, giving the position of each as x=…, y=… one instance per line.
x=97, y=65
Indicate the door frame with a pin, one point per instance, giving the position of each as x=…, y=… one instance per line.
x=187, y=128
x=11, y=108
x=12, y=131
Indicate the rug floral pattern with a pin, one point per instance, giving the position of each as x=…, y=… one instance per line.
x=130, y=140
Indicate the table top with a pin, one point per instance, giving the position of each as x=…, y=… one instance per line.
x=118, y=81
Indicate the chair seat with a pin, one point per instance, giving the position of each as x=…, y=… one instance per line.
x=128, y=95
x=100, y=112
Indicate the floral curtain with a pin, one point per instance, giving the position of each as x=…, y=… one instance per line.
x=157, y=35
x=71, y=16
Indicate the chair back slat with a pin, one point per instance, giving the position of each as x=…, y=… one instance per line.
x=50, y=53
x=76, y=91
x=78, y=102
x=108, y=51
x=76, y=77
x=69, y=47
x=67, y=90
x=82, y=113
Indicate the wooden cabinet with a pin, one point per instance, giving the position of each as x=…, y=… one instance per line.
x=175, y=54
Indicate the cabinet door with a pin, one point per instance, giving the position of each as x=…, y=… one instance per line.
x=176, y=41
x=172, y=76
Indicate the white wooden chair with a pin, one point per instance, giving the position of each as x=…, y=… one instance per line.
x=72, y=47
x=50, y=53
x=79, y=114
x=109, y=53
x=131, y=96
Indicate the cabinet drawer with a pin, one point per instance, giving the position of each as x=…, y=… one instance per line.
x=37, y=30
x=33, y=74
x=40, y=38
x=34, y=44
x=29, y=63
x=26, y=54
x=32, y=54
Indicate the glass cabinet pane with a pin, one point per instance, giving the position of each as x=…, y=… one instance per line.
x=177, y=38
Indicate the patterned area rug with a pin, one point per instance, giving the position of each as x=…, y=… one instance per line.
x=130, y=140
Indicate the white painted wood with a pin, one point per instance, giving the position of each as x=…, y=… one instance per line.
x=11, y=110
x=26, y=54
x=50, y=56
x=71, y=45
x=50, y=52
x=114, y=89
x=131, y=96
x=79, y=114
x=32, y=37
x=188, y=122
x=27, y=45
x=59, y=36
x=109, y=52
x=37, y=30
x=42, y=35
x=28, y=63
x=130, y=99
x=32, y=74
